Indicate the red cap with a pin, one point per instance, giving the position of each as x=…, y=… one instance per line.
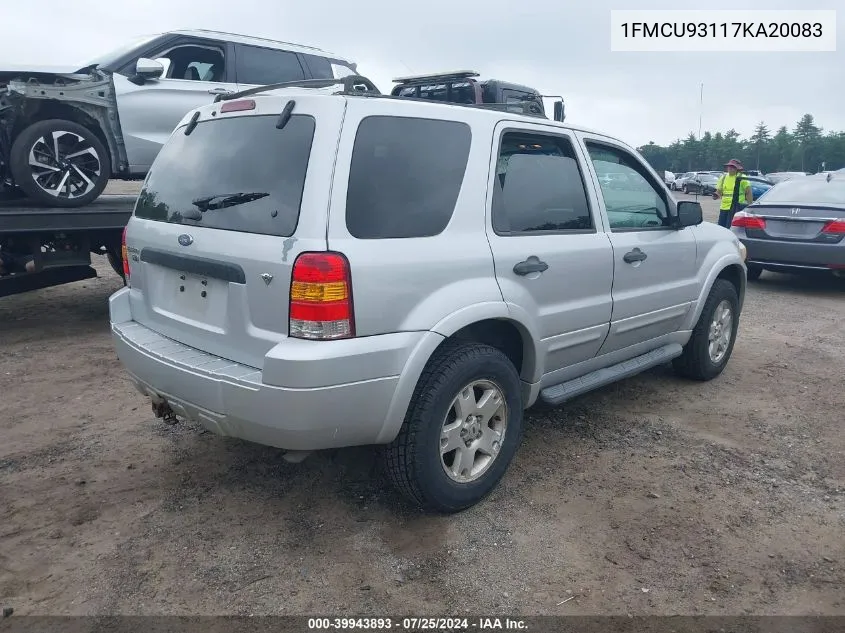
x=734, y=163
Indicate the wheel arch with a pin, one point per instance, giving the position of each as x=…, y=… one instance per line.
x=47, y=109
x=490, y=324
x=728, y=268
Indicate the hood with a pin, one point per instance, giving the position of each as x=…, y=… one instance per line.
x=16, y=70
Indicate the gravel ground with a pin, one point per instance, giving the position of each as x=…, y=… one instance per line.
x=652, y=496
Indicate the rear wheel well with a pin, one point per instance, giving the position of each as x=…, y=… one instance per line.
x=502, y=335
x=48, y=109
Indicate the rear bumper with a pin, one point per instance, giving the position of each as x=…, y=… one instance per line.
x=231, y=399
x=793, y=254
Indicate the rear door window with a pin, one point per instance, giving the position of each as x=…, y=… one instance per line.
x=195, y=182
x=262, y=66
x=405, y=176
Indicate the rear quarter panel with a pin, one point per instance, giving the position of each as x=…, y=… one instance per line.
x=417, y=284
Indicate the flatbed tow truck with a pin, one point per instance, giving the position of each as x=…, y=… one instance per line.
x=61, y=240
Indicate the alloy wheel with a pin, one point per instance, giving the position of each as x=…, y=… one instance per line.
x=473, y=431
x=64, y=165
x=721, y=331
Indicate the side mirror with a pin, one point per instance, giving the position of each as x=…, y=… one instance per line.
x=146, y=69
x=689, y=213
x=558, y=111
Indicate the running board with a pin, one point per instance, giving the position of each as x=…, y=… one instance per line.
x=556, y=394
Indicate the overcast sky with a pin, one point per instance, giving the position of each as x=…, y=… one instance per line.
x=553, y=45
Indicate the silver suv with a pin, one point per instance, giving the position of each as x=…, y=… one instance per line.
x=313, y=270
x=65, y=131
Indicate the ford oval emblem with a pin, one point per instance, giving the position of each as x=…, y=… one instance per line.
x=185, y=239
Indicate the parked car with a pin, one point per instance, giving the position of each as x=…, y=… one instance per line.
x=689, y=185
x=259, y=303
x=467, y=88
x=798, y=225
x=702, y=183
x=678, y=183
x=64, y=132
x=759, y=186
x=668, y=178
x=781, y=176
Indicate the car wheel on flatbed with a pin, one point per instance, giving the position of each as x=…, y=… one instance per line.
x=60, y=163
x=461, y=430
x=707, y=352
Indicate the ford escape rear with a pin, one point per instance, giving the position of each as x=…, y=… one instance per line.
x=323, y=270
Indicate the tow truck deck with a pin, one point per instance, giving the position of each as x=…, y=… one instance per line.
x=61, y=240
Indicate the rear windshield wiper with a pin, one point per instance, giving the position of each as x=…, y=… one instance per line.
x=223, y=200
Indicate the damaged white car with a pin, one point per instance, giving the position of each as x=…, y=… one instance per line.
x=64, y=132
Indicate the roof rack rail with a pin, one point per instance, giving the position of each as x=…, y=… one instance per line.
x=447, y=76
x=350, y=86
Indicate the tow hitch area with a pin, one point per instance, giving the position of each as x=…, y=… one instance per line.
x=162, y=410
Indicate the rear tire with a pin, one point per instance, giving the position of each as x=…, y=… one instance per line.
x=754, y=272
x=60, y=163
x=707, y=352
x=461, y=380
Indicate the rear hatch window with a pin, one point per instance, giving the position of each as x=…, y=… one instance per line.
x=236, y=174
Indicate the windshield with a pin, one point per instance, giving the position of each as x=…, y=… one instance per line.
x=804, y=191
x=708, y=178
x=115, y=54
x=255, y=186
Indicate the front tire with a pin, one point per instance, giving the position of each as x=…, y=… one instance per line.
x=60, y=163
x=709, y=348
x=461, y=431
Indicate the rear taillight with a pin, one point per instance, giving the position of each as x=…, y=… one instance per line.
x=744, y=220
x=321, y=297
x=124, y=256
x=836, y=227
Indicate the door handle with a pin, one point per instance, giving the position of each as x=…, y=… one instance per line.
x=635, y=255
x=531, y=265
x=219, y=91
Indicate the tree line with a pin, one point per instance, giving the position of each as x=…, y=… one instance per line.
x=805, y=148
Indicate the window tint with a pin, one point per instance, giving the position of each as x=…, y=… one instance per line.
x=326, y=68
x=405, y=176
x=631, y=202
x=194, y=63
x=261, y=66
x=260, y=191
x=320, y=67
x=538, y=186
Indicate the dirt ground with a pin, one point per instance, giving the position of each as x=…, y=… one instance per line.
x=653, y=496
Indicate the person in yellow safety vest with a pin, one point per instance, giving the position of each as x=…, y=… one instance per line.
x=733, y=198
